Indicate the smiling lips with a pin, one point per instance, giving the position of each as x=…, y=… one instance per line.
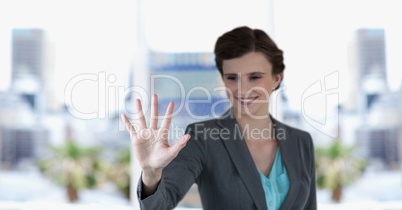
x=246, y=101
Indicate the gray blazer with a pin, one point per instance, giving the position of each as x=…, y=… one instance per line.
x=218, y=160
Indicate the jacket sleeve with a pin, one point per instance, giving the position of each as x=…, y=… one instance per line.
x=177, y=177
x=311, y=203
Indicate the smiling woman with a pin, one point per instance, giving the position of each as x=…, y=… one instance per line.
x=225, y=156
x=248, y=89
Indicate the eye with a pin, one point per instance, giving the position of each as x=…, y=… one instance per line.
x=255, y=77
x=231, y=77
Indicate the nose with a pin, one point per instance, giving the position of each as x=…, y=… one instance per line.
x=243, y=87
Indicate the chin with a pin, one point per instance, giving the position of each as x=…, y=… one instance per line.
x=251, y=111
x=244, y=112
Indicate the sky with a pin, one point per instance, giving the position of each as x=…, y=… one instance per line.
x=100, y=36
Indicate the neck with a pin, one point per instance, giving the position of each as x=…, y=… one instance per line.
x=256, y=129
x=255, y=121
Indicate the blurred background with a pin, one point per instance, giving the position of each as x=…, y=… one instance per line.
x=68, y=69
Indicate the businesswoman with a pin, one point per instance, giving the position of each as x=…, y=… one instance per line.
x=244, y=159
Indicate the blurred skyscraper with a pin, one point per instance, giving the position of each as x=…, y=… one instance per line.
x=28, y=53
x=189, y=79
x=378, y=133
x=379, y=145
x=33, y=68
x=22, y=146
x=372, y=65
x=23, y=136
x=367, y=69
x=371, y=52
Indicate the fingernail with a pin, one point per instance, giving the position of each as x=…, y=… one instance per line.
x=185, y=137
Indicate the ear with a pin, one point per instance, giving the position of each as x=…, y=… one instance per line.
x=277, y=79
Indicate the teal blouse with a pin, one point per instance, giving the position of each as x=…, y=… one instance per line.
x=276, y=185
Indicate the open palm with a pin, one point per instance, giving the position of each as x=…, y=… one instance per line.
x=150, y=144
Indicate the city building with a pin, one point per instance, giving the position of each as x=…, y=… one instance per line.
x=22, y=140
x=377, y=130
x=367, y=69
x=193, y=84
x=23, y=136
x=33, y=68
x=379, y=146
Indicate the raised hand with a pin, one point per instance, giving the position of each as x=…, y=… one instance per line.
x=150, y=144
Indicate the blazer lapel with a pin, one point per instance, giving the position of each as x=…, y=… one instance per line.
x=239, y=153
x=288, y=144
x=241, y=157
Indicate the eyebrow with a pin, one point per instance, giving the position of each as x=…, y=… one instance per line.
x=251, y=73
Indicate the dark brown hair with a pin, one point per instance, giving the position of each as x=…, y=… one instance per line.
x=243, y=40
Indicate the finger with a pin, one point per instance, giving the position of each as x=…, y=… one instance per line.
x=126, y=121
x=154, y=112
x=180, y=144
x=128, y=125
x=168, y=117
x=141, y=119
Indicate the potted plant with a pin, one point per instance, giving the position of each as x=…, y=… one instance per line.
x=336, y=167
x=73, y=166
x=120, y=171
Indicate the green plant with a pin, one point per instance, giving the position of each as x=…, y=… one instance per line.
x=120, y=171
x=74, y=167
x=336, y=167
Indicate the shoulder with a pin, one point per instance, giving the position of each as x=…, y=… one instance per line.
x=290, y=129
x=208, y=129
x=211, y=123
x=302, y=136
x=300, y=133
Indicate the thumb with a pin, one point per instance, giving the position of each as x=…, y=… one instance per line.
x=180, y=144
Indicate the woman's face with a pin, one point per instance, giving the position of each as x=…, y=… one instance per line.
x=249, y=83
